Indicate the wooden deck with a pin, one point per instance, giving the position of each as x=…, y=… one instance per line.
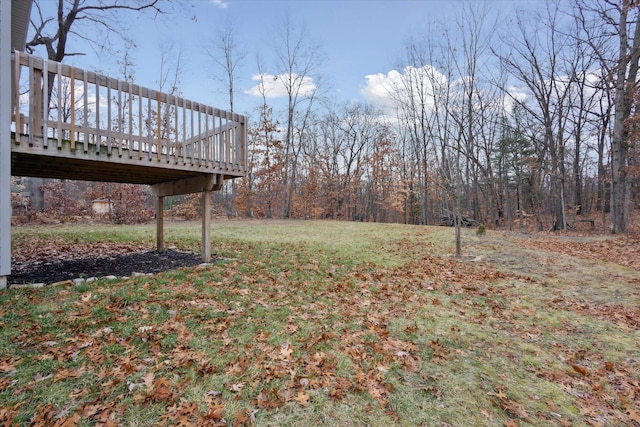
x=70, y=123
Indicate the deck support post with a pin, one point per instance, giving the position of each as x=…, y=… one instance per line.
x=5, y=142
x=206, y=226
x=160, y=224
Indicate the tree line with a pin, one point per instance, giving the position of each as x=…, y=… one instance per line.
x=537, y=122
x=496, y=121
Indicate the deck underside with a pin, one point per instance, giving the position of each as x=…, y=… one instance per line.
x=43, y=166
x=119, y=166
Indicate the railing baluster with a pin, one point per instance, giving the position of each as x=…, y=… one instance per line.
x=176, y=152
x=32, y=101
x=140, y=122
x=234, y=143
x=192, y=142
x=236, y=130
x=72, y=130
x=85, y=119
x=200, y=151
x=225, y=134
x=149, y=139
x=109, y=124
x=120, y=119
x=97, y=138
x=159, y=143
x=231, y=140
x=45, y=103
x=220, y=140
x=184, y=133
x=130, y=129
x=59, y=101
x=207, y=145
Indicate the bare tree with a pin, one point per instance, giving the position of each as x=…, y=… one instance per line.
x=54, y=32
x=419, y=96
x=616, y=21
x=297, y=60
x=539, y=64
x=227, y=57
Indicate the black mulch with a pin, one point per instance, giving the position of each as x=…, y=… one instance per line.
x=121, y=265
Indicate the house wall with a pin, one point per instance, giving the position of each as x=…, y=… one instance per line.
x=5, y=141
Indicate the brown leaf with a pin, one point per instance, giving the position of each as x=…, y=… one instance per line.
x=286, y=352
x=243, y=416
x=72, y=421
x=634, y=414
x=148, y=379
x=303, y=398
x=216, y=410
x=237, y=387
x=162, y=390
x=580, y=369
x=8, y=365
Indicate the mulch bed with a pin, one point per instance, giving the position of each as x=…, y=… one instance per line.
x=120, y=265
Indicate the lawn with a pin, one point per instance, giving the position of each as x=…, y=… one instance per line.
x=330, y=323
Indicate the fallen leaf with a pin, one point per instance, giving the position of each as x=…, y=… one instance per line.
x=148, y=379
x=237, y=387
x=162, y=390
x=580, y=369
x=303, y=398
x=215, y=412
x=242, y=416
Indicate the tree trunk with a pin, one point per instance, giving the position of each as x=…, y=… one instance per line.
x=623, y=104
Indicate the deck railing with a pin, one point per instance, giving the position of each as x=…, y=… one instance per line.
x=59, y=105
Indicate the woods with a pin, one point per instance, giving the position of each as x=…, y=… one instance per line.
x=490, y=127
x=529, y=119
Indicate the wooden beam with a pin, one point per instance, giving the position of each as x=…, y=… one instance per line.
x=160, y=225
x=206, y=226
x=188, y=185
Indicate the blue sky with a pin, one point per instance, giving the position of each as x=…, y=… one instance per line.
x=357, y=38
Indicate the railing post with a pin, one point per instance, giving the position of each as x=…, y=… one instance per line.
x=245, y=142
x=35, y=101
x=18, y=117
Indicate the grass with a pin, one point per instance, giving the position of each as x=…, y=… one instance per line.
x=325, y=323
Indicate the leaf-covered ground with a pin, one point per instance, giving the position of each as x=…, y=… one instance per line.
x=325, y=323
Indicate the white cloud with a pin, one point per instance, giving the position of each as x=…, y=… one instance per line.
x=220, y=3
x=275, y=86
x=386, y=90
x=377, y=89
x=517, y=93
